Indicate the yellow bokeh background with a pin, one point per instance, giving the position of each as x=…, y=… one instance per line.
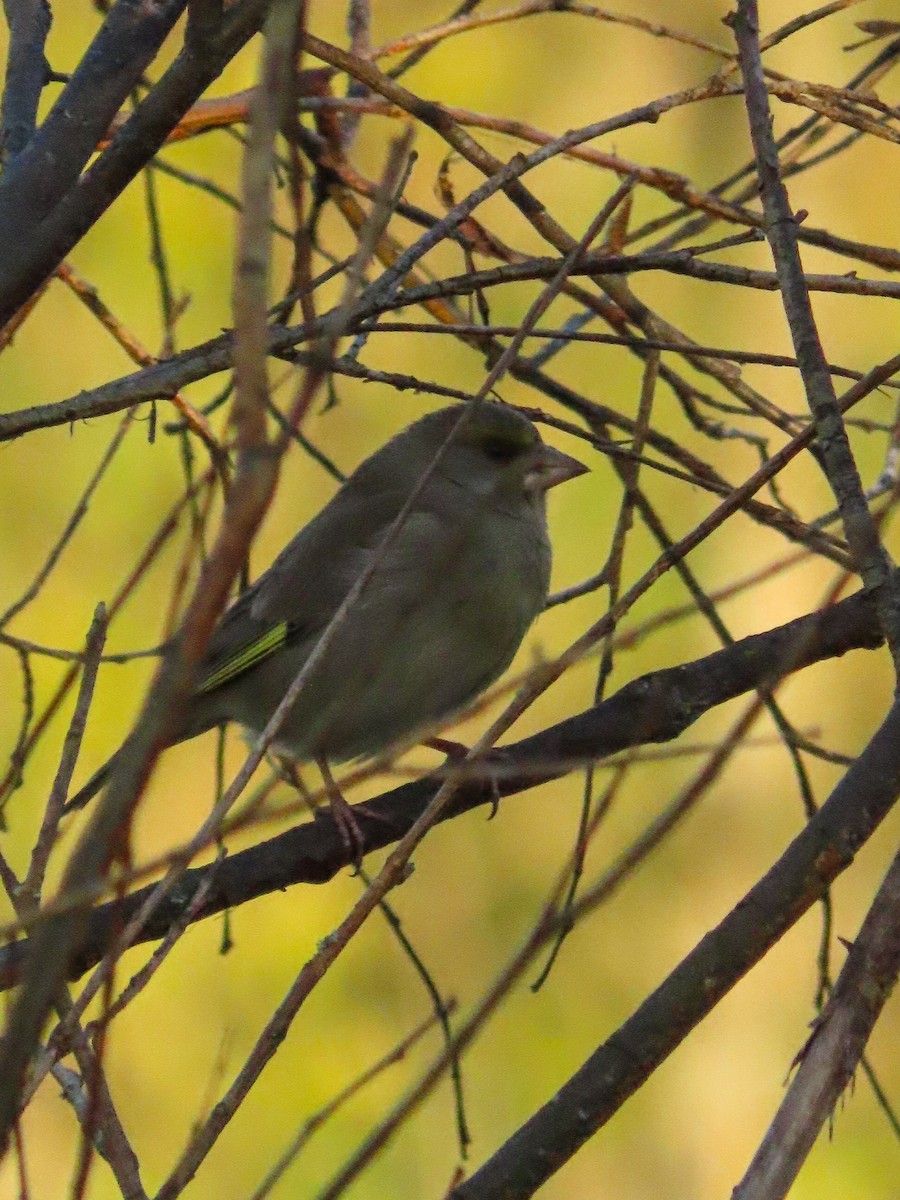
x=478, y=886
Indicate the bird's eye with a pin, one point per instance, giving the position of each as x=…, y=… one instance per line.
x=500, y=449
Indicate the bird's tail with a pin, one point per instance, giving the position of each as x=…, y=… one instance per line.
x=200, y=722
x=92, y=787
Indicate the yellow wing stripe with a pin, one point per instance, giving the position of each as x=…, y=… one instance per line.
x=248, y=656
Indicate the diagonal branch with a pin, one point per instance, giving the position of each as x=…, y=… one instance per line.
x=27, y=259
x=833, y=1053
x=651, y=709
x=126, y=43
x=619, y=1066
x=832, y=441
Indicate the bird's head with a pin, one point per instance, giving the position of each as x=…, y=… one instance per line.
x=494, y=451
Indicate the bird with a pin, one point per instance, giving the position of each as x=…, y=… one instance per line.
x=454, y=589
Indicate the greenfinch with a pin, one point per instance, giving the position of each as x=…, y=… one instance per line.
x=453, y=593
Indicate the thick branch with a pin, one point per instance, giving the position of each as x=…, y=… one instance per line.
x=26, y=261
x=655, y=708
x=26, y=72
x=620, y=1065
x=127, y=42
x=833, y=1052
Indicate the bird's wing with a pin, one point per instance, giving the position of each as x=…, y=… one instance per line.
x=298, y=595
x=249, y=642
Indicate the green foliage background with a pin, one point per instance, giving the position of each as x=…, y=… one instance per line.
x=478, y=886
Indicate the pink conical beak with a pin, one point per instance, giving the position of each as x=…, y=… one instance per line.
x=550, y=467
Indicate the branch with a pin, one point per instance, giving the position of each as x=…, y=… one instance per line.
x=26, y=72
x=619, y=1066
x=125, y=45
x=833, y=1052
x=654, y=708
x=26, y=261
x=832, y=441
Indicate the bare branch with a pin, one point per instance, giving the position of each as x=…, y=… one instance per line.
x=651, y=709
x=832, y=1055
x=26, y=72
x=831, y=438
x=619, y=1066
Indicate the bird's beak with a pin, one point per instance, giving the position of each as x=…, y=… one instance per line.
x=550, y=467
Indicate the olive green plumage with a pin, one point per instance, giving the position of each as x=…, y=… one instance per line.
x=450, y=600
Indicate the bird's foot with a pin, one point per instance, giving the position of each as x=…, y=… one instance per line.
x=453, y=750
x=456, y=753
x=342, y=812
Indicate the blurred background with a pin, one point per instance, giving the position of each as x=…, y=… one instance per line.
x=478, y=885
